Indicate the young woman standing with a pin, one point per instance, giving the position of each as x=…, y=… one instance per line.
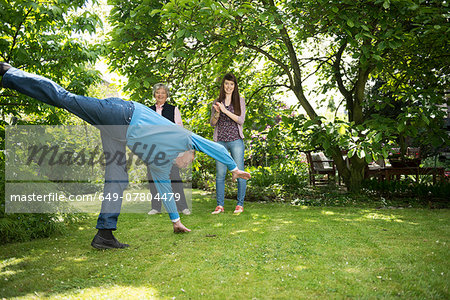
x=227, y=117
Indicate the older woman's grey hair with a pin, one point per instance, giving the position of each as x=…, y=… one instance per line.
x=161, y=86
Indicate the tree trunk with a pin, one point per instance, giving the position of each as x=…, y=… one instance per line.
x=351, y=170
x=356, y=178
x=356, y=166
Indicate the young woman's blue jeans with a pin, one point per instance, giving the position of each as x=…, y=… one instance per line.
x=111, y=111
x=236, y=149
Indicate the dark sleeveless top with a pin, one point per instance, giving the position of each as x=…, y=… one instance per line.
x=228, y=130
x=168, y=111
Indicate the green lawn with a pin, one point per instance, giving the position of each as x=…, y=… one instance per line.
x=272, y=250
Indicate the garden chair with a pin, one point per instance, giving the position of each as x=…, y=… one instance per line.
x=374, y=168
x=321, y=169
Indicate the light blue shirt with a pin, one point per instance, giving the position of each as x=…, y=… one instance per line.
x=158, y=141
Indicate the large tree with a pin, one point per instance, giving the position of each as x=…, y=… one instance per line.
x=140, y=48
x=350, y=44
x=48, y=38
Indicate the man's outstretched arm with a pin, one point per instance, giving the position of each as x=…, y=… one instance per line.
x=219, y=153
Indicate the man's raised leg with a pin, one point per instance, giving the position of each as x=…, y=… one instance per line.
x=111, y=111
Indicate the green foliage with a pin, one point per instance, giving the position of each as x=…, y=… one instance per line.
x=282, y=181
x=369, y=141
x=47, y=38
x=152, y=49
x=423, y=193
x=24, y=227
x=133, y=43
x=347, y=44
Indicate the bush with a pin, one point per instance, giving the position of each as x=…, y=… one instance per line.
x=281, y=182
x=25, y=227
x=287, y=181
x=432, y=195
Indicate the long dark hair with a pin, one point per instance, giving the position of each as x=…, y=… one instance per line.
x=235, y=98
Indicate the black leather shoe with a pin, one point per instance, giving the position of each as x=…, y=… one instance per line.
x=100, y=243
x=4, y=67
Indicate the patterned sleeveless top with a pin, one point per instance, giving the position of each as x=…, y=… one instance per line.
x=228, y=130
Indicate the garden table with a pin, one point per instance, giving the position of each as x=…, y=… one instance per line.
x=388, y=173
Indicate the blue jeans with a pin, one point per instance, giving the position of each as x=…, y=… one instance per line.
x=236, y=149
x=111, y=111
x=177, y=188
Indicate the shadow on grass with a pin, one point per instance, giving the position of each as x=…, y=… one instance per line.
x=272, y=249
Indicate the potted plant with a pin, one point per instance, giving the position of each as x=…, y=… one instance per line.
x=410, y=159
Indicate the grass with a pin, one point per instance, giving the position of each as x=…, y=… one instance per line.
x=272, y=250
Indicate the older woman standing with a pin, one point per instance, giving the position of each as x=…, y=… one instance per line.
x=172, y=113
x=227, y=117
